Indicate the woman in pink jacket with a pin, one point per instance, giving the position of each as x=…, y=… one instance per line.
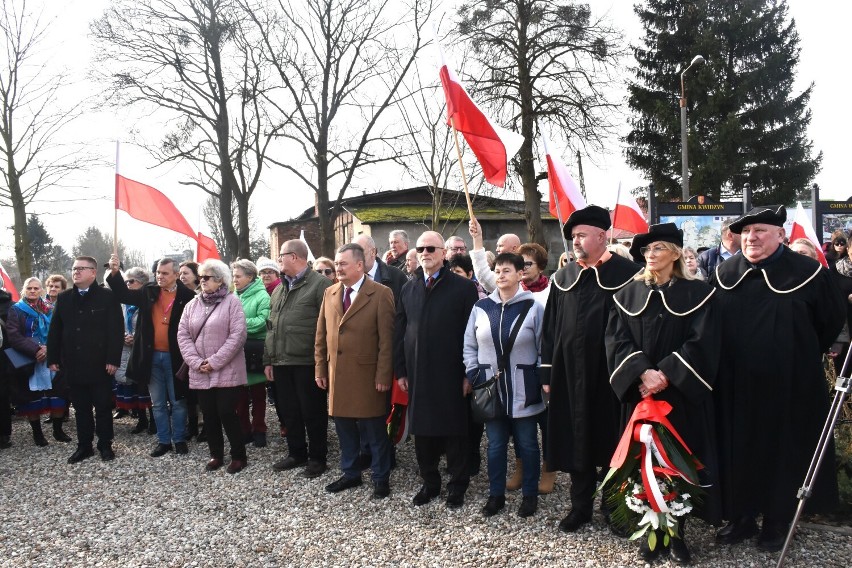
x=211, y=335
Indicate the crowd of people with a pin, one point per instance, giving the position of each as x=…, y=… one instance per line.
x=732, y=338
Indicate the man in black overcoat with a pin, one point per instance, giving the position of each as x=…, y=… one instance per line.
x=584, y=415
x=431, y=317
x=780, y=312
x=85, y=339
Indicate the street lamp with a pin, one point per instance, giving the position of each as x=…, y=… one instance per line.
x=683, y=152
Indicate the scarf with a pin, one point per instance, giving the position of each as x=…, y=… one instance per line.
x=844, y=266
x=38, y=318
x=272, y=285
x=215, y=297
x=129, y=313
x=537, y=286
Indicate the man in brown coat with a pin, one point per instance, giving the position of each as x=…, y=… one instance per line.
x=353, y=352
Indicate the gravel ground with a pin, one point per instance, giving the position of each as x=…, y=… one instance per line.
x=142, y=511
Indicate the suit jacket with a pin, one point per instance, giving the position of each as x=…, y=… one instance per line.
x=86, y=333
x=392, y=277
x=355, y=351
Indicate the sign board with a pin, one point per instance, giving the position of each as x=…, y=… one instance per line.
x=700, y=219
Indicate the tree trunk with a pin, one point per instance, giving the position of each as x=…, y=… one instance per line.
x=23, y=253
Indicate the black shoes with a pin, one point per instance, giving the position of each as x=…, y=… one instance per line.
x=313, y=469
x=5, y=442
x=213, y=464
x=455, y=499
x=679, y=551
x=80, y=454
x=574, y=521
x=59, y=434
x=529, y=505
x=381, y=489
x=494, y=505
x=425, y=495
x=107, y=454
x=343, y=483
x=737, y=531
x=259, y=439
x=38, y=435
x=141, y=426
x=181, y=448
x=290, y=462
x=161, y=450
x=645, y=552
x=772, y=535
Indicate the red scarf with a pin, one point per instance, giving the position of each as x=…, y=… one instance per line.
x=538, y=285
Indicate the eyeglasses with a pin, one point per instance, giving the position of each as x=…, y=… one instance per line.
x=130, y=281
x=326, y=271
x=283, y=254
x=268, y=272
x=840, y=242
x=421, y=250
x=458, y=249
x=652, y=250
x=82, y=268
x=528, y=264
x=205, y=278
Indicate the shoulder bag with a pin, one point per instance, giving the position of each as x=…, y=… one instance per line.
x=183, y=372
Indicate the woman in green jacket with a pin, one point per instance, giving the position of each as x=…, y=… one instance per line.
x=255, y=300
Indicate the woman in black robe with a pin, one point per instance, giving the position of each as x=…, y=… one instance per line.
x=663, y=340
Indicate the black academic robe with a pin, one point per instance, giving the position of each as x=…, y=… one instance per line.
x=674, y=329
x=584, y=413
x=772, y=399
x=428, y=344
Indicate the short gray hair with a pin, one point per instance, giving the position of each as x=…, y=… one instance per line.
x=452, y=239
x=399, y=233
x=217, y=269
x=297, y=247
x=138, y=274
x=248, y=267
x=357, y=251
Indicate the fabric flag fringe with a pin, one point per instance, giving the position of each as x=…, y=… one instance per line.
x=803, y=229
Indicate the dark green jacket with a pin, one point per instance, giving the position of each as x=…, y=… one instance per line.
x=292, y=323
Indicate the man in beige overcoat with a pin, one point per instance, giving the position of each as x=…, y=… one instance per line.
x=353, y=352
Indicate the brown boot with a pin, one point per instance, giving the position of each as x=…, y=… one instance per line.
x=548, y=478
x=514, y=483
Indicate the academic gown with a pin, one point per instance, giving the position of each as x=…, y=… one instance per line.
x=778, y=318
x=674, y=329
x=584, y=414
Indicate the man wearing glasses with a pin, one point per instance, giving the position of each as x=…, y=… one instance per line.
x=509, y=242
x=288, y=357
x=453, y=246
x=84, y=342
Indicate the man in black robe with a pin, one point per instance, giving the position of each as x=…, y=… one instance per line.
x=583, y=420
x=780, y=311
x=431, y=318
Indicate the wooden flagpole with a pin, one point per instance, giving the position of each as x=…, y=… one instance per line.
x=461, y=165
x=115, y=209
x=561, y=223
x=615, y=213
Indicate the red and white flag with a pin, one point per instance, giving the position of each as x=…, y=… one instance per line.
x=9, y=285
x=627, y=215
x=803, y=229
x=493, y=145
x=148, y=204
x=564, y=192
x=206, y=249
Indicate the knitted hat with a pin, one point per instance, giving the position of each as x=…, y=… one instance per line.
x=264, y=263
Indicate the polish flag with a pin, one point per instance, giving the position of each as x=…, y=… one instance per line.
x=493, y=145
x=627, y=215
x=148, y=204
x=803, y=229
x=563, y=189
x=206, y=249
x=8, y=285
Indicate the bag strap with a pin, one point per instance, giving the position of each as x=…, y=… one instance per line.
x=503, y=354
x=207, y=317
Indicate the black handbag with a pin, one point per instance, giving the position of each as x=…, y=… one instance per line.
x=485, y=404
x=253, y=350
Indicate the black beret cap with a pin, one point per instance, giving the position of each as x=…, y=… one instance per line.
x=590, y=215
x=765, y=214
x=665, y=232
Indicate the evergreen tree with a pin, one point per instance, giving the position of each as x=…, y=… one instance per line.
x=41, y=247
x=746, y=124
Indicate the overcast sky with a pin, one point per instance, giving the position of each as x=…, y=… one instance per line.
x=820, y=25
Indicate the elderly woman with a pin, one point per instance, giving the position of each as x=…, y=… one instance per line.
x=663, y=340
x=325, y=266
x=34, y=391
x=255, y=300
x=804, y=246
x=211, y=335
x=511, y=312
x=54, y=284
x=690, y=258
x=839, y=247
x=269, y=273
x=535, y=263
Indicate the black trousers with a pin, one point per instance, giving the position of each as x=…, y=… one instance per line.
x=429, y=449
x=219, y=406
x=305, y=409
x=86, y=397
x=583, y=485
x=5, y=404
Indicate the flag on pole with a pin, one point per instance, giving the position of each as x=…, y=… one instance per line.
x=627, y=215
x=206, y=249
x=310, y=254
x=148, y=204
x=8, y=285
x=804, y=229
x=565, y=195
x=493, y=145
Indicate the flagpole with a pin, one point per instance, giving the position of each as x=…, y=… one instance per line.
x=615, y=212
x=561, y=224
x=461, y=165
x=115, y=203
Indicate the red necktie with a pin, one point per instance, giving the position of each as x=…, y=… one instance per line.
x=347, y=299
x=430, y=282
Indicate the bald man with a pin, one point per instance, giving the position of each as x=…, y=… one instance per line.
x=509, y=242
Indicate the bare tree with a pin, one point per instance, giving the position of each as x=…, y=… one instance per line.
x=35, y=112
x=545, y=64
x=340, y=64
x=194, y=60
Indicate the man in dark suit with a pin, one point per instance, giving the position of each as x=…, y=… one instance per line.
x=354, y=361
x=431, y=317
x=377, y=270
x=85, y=340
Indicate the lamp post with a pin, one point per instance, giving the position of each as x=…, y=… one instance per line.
x=683, y=151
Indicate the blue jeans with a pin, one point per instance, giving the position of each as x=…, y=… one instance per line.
x=373, y=433
x=162, y=387
x=525, y=432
